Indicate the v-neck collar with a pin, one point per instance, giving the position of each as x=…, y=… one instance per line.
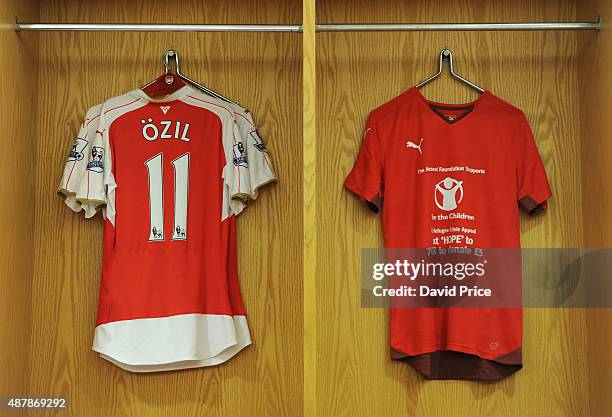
x=434, y=107
x=176, y=95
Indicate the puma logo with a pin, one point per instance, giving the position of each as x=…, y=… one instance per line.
x=413, y=145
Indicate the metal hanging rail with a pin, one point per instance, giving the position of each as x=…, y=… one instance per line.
x=122, y=27
x=344, y=27
x=414, y=27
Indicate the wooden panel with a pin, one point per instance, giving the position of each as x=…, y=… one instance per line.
x=357, y=72
x=595, y=83
x=310, y=211
x=260, y=71
x=19, y=69
x=595, y=57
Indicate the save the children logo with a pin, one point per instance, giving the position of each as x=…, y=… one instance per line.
x=448, y=193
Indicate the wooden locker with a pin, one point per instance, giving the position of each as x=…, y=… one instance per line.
x=315, y=350
x=56, y=254
x=542, y=73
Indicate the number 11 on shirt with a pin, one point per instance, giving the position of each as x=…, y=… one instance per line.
x=156, y=197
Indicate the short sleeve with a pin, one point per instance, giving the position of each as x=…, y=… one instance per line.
x=366, y=177
x=236, y=171
x=251, y=168
x=83, y=180
x=260, y=164
x=533, y=189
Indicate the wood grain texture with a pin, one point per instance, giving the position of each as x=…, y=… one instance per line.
x=260, y=71
x=357, y=72
x=19, y=69
x=595, y=79
x=310, y=210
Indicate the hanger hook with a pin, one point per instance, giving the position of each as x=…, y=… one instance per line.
x=176, y=60
x=166, y=61
x=171, y=53
x=446, y=54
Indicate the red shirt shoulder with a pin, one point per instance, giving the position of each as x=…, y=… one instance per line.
x=499, y=108
x=392, y=106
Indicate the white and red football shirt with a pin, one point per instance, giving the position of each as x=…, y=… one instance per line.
x=170, y=176
x=430, y=167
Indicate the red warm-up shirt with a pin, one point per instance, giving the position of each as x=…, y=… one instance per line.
x=474, y=163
